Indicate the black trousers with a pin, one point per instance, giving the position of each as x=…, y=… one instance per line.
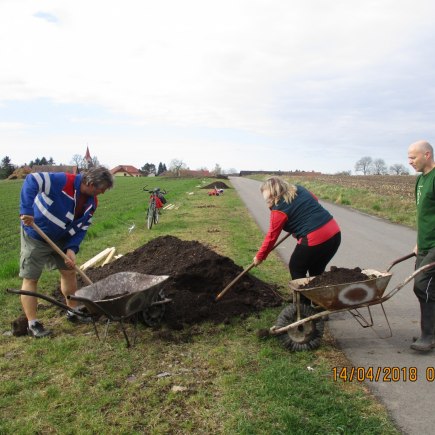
x=312, y=259
x=424, y=282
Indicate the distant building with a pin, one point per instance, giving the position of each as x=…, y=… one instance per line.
x=88, y=158
x=125, y=171
x=286, y=173
x=55, y=168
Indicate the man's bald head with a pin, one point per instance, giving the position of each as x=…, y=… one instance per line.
x=420, y=156
x=422, y=146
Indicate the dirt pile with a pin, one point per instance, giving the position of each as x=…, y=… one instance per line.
x=337, y=275
x=197, y=276
x=217, y=184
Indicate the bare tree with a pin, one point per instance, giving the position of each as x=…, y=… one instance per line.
x=79, y=161
x=176, y=166
x=364, y=165
x=217, y=169
x=398, y=169
x=379, y=167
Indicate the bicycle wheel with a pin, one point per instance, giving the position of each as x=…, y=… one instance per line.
x=150, y=216
x=156, y=215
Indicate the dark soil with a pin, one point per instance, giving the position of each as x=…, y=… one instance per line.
x=19, y=326
x=197, y=276
x=337, y=275
x=217, y=184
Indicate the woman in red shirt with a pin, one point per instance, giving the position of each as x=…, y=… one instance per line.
x=297, y=211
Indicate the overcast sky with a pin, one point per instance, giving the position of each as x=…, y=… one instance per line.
x=251, y=84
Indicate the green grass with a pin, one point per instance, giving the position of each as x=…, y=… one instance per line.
x=221, y=378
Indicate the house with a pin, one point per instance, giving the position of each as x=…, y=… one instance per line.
x=125, y=171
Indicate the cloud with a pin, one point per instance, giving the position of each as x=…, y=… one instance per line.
x=294, y=73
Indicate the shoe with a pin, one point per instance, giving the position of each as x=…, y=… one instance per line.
x=76, y=318
x=38, y=331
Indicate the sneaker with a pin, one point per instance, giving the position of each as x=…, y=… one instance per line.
x=76, y=318
x=38, y=331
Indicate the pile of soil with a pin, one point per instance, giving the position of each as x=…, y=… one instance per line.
x=337, y=275
x=217, y=184
x=197, y=276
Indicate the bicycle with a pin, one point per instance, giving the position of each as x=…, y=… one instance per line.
x=156, y=201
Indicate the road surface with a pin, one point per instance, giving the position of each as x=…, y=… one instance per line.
x=406, y=384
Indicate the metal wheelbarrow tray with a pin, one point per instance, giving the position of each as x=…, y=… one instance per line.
x=117, y=297
x=348, y=295
x=300, y=326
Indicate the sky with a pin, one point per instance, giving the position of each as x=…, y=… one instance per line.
x=287, y=85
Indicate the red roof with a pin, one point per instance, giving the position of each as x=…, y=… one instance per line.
x=125, y=168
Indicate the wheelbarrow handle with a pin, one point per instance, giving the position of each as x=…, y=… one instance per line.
x=48, y=299
x=60, y=252
x=399, y=260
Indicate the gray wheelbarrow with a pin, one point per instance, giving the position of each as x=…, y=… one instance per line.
x=118, y=297
x=300, y=326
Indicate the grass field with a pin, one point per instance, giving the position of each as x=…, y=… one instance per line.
x=222, y=381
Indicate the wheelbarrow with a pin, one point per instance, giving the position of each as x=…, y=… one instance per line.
x=300, y=326
x=118, y=297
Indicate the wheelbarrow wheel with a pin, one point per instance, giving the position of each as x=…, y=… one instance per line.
x=152, y=315
x=307, y=336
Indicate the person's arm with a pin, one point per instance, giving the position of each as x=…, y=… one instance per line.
x=32, y=185
x=277, y=222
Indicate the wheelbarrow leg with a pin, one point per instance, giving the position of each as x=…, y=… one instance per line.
x=124, y=332
x=95, y=329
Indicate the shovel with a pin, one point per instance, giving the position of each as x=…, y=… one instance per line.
x=245, y=271
x=60, y=252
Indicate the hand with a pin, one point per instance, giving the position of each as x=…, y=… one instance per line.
x=71, y=262
x=27, y=220
x=257, y=261
x=415, y=250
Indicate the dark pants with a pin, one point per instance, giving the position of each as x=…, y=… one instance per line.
x=312, y=259
x=424, y=282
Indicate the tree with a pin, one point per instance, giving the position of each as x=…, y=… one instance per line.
x=176, y=166
x=364, y=165
x=6, y=168
x=94, y=162
x=398, y=169
x=148, y=168
x=161, y=168
x=379, y=167
x=79, y=161
x=217, y=170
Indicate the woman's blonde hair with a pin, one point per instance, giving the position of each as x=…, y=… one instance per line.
x=277, y=189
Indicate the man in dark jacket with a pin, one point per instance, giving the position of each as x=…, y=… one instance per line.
x=62, y=205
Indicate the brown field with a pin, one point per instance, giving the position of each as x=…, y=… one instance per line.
x=396, y=185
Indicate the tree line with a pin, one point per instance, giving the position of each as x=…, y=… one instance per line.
x=369, y=166
x=7, y=168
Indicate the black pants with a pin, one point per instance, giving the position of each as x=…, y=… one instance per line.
x=312, y=259
x=424, y=282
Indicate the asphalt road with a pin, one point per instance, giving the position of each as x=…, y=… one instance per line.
x=406, y=384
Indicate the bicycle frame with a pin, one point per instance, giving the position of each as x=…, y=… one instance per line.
x=153, y=205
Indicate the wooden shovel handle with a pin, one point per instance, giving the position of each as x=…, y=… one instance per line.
x=245, y=271
x=60, y=252
x=234, y=281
